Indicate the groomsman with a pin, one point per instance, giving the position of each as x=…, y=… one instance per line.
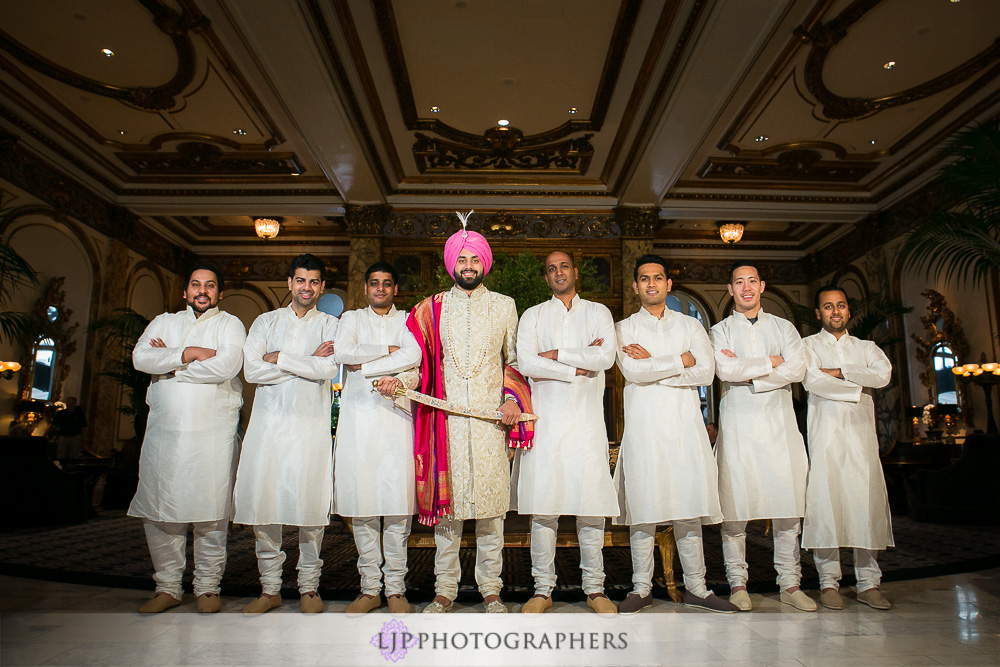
x=189, y=449
x=563, y=347
x=666, y=472
x=373, y=479
x=285, y=475
x=846, y=500
x=761, y=455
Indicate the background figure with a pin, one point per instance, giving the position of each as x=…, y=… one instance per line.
x=69, y=423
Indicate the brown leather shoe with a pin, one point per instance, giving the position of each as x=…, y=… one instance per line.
x=398, y=604
x=262, y=604
x=600, y=603
x=537, y=604
x=364, y=604
x=209, y=603
x=160, y=602
x=635, y=603
x=311, y=603
x=710, y=602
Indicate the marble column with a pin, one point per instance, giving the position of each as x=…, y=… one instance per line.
x=637, y=225
x=365, y=225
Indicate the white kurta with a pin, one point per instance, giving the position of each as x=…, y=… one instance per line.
x=286, y=466
x=846, y=500
x=567, y=470
x=189, y=451
x=665, y=471
x=762, y=459
x=373, y=453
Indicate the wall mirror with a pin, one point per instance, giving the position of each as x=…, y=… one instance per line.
x=941, y=348
x=47, y=354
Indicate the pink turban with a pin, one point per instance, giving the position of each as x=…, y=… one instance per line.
x=475, y=242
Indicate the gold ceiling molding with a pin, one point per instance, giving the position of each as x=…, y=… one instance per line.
x=801, y=164
x=825, y=36
x=176, y=26
x=744, y=197
x=195, y=158
x=273, y=268
x=502, y=149
x=366, y=220
x=636, y=221
x=417, y=224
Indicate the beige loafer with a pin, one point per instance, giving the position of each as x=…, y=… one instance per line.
x=160, y=602
x=208, y=603
x=799, y=600
x=537, y=604
x=262, y=604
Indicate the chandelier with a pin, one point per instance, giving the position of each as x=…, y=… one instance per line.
x=267, y=228
x=731, y=232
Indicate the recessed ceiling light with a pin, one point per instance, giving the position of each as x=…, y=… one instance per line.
x=954, y=1
x=295, y=173
x=122, y=132
x=503, y=123
x=762, y=138
x=435, y=109
x=890, y=64
x=572, y=109
x=108, y=52
x=239, y=131
x=873, y=141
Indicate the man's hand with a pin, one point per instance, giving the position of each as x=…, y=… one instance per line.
x=393, y=348
x=387, y=385
x=157, y=342
x=833, y=372
x=776, y=360
x=195, y=354
x=550, y=354
x=271, y=357
x=511, y=413
x=688, y=359
x=353, y=367
x=325, y=349
x=597, y=342
x=729, y=353
x=636, y=351
x=582, y=371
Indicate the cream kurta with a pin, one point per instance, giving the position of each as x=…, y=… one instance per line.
x=846, y=500
x=762, y=459
x=477, y=337
x=567, y=471
x=373, y=453
x=189, y=450
x=665, y=471
x=286, y=466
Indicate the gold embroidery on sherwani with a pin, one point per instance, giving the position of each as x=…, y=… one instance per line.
x=478, y=333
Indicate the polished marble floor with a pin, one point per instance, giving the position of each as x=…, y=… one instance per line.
x=950, y=620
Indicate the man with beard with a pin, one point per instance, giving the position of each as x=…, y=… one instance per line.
x=373, y=461
x=466, y=335
x=666, y=472
x=563, y=347
x=285, y=475
x=189, y=449
x=846, y=500
x=762, y=459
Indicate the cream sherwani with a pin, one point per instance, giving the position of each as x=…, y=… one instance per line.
x=846, y=500
x=567, y=472
x=477, y=337
x=666, y=471
x=189, y=450
x=373, y=454
x=285, y=476
x=761, y=455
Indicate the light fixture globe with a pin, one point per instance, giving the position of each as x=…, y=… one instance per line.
x=731, y=232
x=267, y=228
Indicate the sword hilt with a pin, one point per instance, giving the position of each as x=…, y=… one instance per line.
x=399, y=391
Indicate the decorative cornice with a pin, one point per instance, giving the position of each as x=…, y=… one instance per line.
x=636, y=222
x=781, y=272
x=198, y=158
x=176, y=26
x=504, y=224
x=795, y=165
x=368, y=220
x=272, y=268
x=503, y=149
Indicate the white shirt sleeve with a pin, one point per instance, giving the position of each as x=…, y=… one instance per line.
x=156, y=360
x=228, y=357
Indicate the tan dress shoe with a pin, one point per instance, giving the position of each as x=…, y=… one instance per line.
x=799, y=600
x=874, y=599
x=398, y=604
x=311, y=603
x=830, y=598
x=160, y=602
x=209, y=603
x=741, y=600
x=537, y=604
x=364, y=604
x=436, y=607
x=262, y=604
x=600, y=603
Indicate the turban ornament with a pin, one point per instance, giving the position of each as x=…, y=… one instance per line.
x=474, y=241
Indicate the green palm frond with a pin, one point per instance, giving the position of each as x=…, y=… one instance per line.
x=15, y=273
x=22, y=326
x=869, y=317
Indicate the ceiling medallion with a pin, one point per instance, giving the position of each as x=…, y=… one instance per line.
x=501, y=148
x=267, y=228
x=731, y=232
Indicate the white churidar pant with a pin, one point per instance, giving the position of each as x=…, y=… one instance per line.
x=590, y=535
x=270, y=557
x=489, y=556
x=786, y=552
x=690, y=551
x=168, y=546
x=866, y=569
x=391, y=550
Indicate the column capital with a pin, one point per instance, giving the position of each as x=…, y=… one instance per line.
x=366, y=219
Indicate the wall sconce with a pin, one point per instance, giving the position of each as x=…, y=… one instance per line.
x=731, y=232
x=267, y=228
x=8, y=368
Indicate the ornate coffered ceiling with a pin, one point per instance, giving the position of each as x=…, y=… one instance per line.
x=783, y=113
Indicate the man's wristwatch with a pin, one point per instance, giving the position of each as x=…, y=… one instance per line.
x=508, y=397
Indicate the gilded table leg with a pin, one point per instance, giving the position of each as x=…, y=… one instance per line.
x=668, y=547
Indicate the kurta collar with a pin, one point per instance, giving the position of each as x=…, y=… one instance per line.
x=211, y=312
x=645, y=314
x=740, y=317
x=478, y=293
x=572, y=304
x=828, y=337
x=392, y=312
x=308, y=316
